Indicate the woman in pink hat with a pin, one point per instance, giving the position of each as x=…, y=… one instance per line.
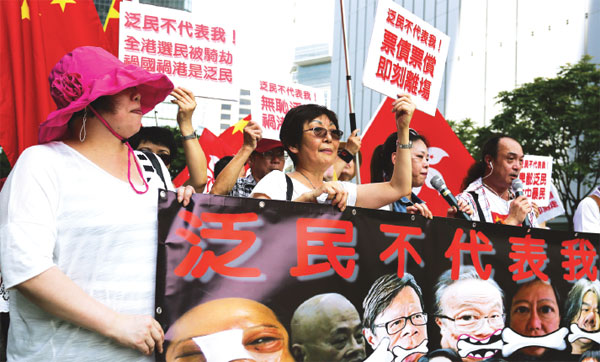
x=78, y=224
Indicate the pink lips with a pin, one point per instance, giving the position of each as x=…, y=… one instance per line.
x=137, y=111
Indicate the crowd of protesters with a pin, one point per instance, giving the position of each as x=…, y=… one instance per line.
x=79, y=204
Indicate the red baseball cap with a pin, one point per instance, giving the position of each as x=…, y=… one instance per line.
x=265, y=145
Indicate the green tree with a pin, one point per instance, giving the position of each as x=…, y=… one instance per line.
x=558, y=117
x=178, y=159
x=4, y=164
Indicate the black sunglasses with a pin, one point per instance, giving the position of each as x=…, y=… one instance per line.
x=336, y=134
x=165, y=158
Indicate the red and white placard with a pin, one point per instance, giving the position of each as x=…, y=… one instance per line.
x=194, y=50
x=406, y=55
x=272, y=100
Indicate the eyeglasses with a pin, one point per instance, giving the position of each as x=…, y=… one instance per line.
x=166, y=158
x=336, y=134
x=396, y=325
x=273, y=153
x=473, y=322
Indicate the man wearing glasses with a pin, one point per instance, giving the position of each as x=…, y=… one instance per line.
x=470, y=314
x=393, y=309
x=262, y=155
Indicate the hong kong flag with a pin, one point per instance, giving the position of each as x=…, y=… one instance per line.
x=448, y=157
x=34, y=35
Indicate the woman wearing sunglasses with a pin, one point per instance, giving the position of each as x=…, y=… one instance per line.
x=311, y=137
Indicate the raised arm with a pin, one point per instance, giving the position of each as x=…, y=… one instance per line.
x=227, y=178
x=376, y=195
x=352, y=146
x=58, y=295
x=194, y=156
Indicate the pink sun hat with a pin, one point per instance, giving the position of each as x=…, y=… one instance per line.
x=87, y=73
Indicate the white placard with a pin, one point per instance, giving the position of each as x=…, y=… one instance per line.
x=406, y=55
x=536, y=175
x=193, y=49
x=555, y=207
x=272, y=100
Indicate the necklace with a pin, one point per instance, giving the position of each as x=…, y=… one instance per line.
x=311, y=184
x=492, y=190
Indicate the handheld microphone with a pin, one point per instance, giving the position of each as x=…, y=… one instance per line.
x=438, y=183
x=517, y=186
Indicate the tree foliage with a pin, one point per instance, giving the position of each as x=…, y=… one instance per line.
x=558, y=117
x=177, y=160
x=4, y=165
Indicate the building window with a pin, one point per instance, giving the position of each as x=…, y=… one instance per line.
x=244, y=92
x=245, y=102
x=244, y=111
x=225, y=116
x=226, y=107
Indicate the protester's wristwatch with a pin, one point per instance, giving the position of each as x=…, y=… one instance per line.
x=190, y=136
x=345, y=155
x=404, y=145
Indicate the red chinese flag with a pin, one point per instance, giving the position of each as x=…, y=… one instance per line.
x=111, y=26
x=35, y=34
x=234, y=135
x=214, y=148
x=448, y=157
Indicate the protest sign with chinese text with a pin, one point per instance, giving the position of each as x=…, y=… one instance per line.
x=536, y=175
x=194, y=50
x=406, y=55
x=272, y=100
x=555, y=206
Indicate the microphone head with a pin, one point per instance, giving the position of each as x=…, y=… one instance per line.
x=517, y=184
x=437, y=182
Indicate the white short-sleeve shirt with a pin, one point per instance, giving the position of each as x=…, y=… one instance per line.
x=58, y=208
x=275, y=187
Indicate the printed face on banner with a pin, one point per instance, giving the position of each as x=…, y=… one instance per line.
x=403, y=321
x=535, y=312
x=192, y=49
x=327, y=327
x=472, y=319
x=226, y=330
x=272, y=100
x=536, y=175
x=406, y=55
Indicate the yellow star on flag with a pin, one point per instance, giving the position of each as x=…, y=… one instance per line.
x=112, y=14
x=239, y=126
x=63, y=3
x=25, y=10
